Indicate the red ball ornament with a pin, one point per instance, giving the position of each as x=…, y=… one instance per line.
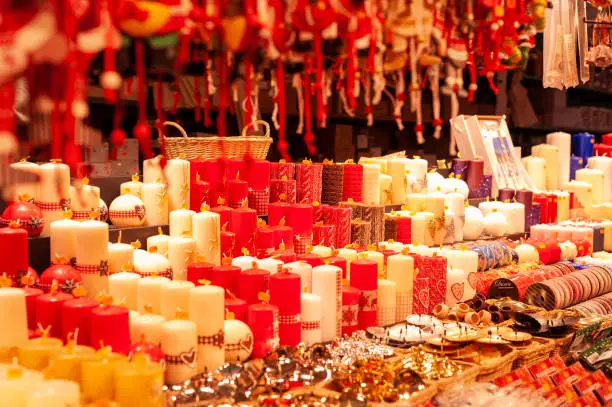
x=118, y=137
x=27, y=214
x=29, y=278
x=67, y=277
x=154, y=352
x=142, y=131
x=584, y=247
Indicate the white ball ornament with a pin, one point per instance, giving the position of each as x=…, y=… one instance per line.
x=569, y=251
x=495, y=223
x=238, y=340
x=127, y=211
x=474, y=223
x=527, y=253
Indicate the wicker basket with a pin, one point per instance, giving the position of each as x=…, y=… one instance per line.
x=467, y=376
x=213, y=147
x=537, y=350
x=503, y=365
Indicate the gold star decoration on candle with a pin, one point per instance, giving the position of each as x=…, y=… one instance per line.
x=162, y=196
x=5, y=281
x=79, y=291
x=264, y=297
x=104, y=299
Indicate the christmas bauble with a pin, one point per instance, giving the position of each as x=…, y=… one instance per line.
x=67, y=277
x=527, y=253
x=495, y=223
x=584, y=247
x=27, y=214
x=152, y=351
x=127, y=211
x=569, y=251
x=474, y=223
x=238, y=340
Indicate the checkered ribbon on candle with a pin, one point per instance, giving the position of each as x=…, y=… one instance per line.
x=99, y=269
x=67, y=286
x=368, y=300
x=311, y=325
x=289, y=319
x=301, y=243
x=80, y=215
x=279, y=187
x=258, y=200
x=338, y=302
x=32, y=223
x=138, y=212
x=185, y=358
x=238, y=204
x=166, y=273
x=324, y=235
x=245, y=344
x=217, y=340
x=62, y=205
x=385, y=316
x=349, y=315
x=403, y=306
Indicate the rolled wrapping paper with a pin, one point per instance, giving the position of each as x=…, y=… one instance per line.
x=308, y=177
x=385, y=189
x=263, y=319
x=13, y=314
x=177, y=176
x=285, y=294
x=110, y=325
x=582, y=145
x=210, y=351
x=352, y=182
x=283, y=190
x=397, y=170
x=92, y=255
x=83, y=200
x=595, y=177
x=400, y=270
x=475, y=173
x=364, y=277
x=175, y=295
x=226, y=276
x=361, y=232
x=563, y=142
x=550, y=154
x=147, y=327
x=207, y=236
x=119, y=254
x=252, y=282
x=123, y=287
x=418, y=168
x=332, y=179
x=327, y=284
x=63, y=239
x=76, y=318
x=53, y=193
x=243, y=224
x=179, y=342
x=604, y=164
x=273, y=265
x=237, y=192
x=149, y=293
x=386, y=313
x=536, y=169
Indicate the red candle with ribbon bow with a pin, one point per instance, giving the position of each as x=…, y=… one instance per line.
x=237, y=193
x=243, y=223
x=76, y=314
x=350, y=310
x=285, y=290
x=197, y=271
x=226, y=276
x=110, y=325
x=263, y=319
x=14, y=249
x=364, y=277
x=49, y=310
x=252, y=282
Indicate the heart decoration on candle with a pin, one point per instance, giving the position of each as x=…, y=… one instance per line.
x=188, y=358
x=473, y=279
x=457, y=290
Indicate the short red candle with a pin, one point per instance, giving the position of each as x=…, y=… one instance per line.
x=243, y=223
x=276, y=212
x=338, y=262
x=285, y=290
x=199, y=194
x=311, y=258
x=14, y=251
x=299, y=217
x=76, y=314
x=49, y=311
x=607, y=139
x=228, y=243
x=264, y=241
x=110, y=325
x=542, y=199
x=350, y=310
x=286, y=256
x=603, y=149
x=263, y=321
x=199, y=271
x=225, y=214
x=237, y=192
x=252, y=282
x=238, y=307
x=256, y=173
x=552, y=208
x=404, y=230
x=283, y=190
x=364, y=277
x=283, y=235
x=475, y=173
x=31, y=295
x=225, y=276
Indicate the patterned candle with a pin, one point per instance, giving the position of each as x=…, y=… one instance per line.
x=210, y=351
x=324, y=235
x=308, y=181
x=364, y=277
x=400, y=270
x=352, y=182
x=375, y=214
x=285, y=294
x=177, y=176
x=327, y=284
x=283, y=190
x=84, y=199
x=350, y=310
x=386, y=303
x=341, y=219
x=282, y=169
x=331, y=185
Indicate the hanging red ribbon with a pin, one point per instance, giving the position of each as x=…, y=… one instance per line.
x=309, y=137
x=282, y=145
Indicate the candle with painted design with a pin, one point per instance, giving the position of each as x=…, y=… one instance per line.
x=160, y=240
x=123, y=287
x=181, y=222
x=181, y=251
x=13, y=317
x=312, y=319
x=147, y=327
x=285, y=294
x=174, y=295
x=199, y=191
x=387, y=303
x=179, y=342
x=327, y=284
x=400, y=270
x=152, y=170
x=155, y=199
x=350, y=310
x=110, y=325
x=207, y=235
x=133, y=187
x=456, y=282
x=263, y=320
x=63, y=237
x=210, y=351
x=149, y=293
x=83, y=199
x=364, y=277
x=54, y=192
x=243, y=223
x=418, y=167
x=177, y=177
x=92, y=255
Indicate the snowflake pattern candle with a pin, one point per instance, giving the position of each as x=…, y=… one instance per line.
x=263, y=319
x=350, y=310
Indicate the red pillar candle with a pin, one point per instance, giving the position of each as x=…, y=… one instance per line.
x=238, y=307
x=197, y=271
x=76, y=314
x=552, y=208
x=243, y=223
x=350, y=310
x=226, y=276
x=256, y=173
x=199, y=193
x=31, y=295
x=282, y=169
x=603, y=149
x=283, y=235
x=49, y=311
x=607, y=139
x=311, y=258
x=283, y=190
x=404, y=230
x=285, y=294
x=338, y=262
x=319, y=212
x=263, y=319
x=308, y=177
x=299, y=217
x=352, y=182
x=264, y=241
x=231, y=167
x=14, y=250
x=542, y=199
x=252, y=282
x=277, y=211
x=225, y=212
x=110, y=325
x=210, y=172
x=341, y=219
x=285, y=255
x=324, y=235
x=228, y=243
x=364, y=277
x=237, y=193
x=475, y=173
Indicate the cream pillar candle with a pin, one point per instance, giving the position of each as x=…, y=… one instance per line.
x=63, y=238
x=349, y=255
x=455, y=203
x=385, y=189
x=488, y=206
x=152, y=171
x=271, y=265
x=175, y=295
x=54, y=192
x=582, y=194
x=387, y=303
x=563, y=206
x=123, y=287
x=304, y=270
x=595, y=177
x=418, y=168
x=563, y=142
x=456, y=282
x=434, y=203
x=322, y=251
x=177, y=177
x=515, y=214
x=16, y=384
x=160, y=241
x=391, y=245
x=179, y=342
x=161, y=264
x=143, y=263
x=244, y=262
x=400, y=270
x=429, y=232
x=54, y=393
x=207, y=235
x=210, y=351
x=536, y=169
x=418, y=228
x=327, y=284
x=604, y=164
x=416, y=202
x=551, y=155
x=147, y=327
x=181, y=251
x=378, y=257
x=371, y=184
x=155, y=199
x=311, y=313
x=119, y=254
x=397, y=171
x=149, y=293
x=92, y=255
x=133, y=187
x=84, y=199
x=13, y=317
x=413, y=185
x=29, y=187
x=181, y=222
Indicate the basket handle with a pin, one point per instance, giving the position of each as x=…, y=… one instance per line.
x=178, y=126
x=262, y=122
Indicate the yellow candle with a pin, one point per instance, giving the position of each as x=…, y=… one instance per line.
x=67, y=363
x=37, y=353
x=143, y=375
x=98, y=376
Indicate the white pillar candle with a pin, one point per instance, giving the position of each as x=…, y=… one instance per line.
x=181, y=251
x=160, y=241
x=133, y=187
x=207, y=236
x=149, y=293
x=391, y=245
x=496, y=224
x=144, y=264
x=15, y=390
x=155, y=200
x=161, y=264
x=349, y=255
x=177, y=176
x=412, y=184
x=455, y=203
x=322, y=251
x=152, y=170
x=63, y=238
x=84, y=199
x=400, y=270
x=604, y=164
x=119, y=254
x=175, y=295
x=434, y=181
x=418, y=228
x=416, y=202
x=181, y=222
x=515, y=214
x=327, y=284
x=385, y=189
x=371, y=184
x=92, y=255
x=378, y=257
x=563, y=206
x=123, y=286
x=55, y=393
x=421, y=249
x=489, y=206
x=304, y=270
x=551, y=155
x=583, y=194
x=211, y=353
x=271, y=265
x=311, y=312
x=563, y=142
x=418, y=168
x=147, y=327
x=13, y=317
x=456, y=283
x=179, y=342
x=54, y=192
x=429, y=226
x=397, y=171
x=387, y=303
x=244, y=262
x=536, y=169
x=595, y=177
x=29, y=187
x=434, y=203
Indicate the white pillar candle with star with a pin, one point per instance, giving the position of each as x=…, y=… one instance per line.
x=92, y=255
x=181, y=222
x=177, y=177
x=155, y=199
x=181, y=251
x=133, y=187
x=207, y=235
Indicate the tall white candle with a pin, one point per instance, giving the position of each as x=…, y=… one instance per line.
x=387, y=303
x=207, y=236
x=83, y=200
x=92, y=255
x=181, y=251
x=152, y=171
x=349, y=255
x=378, y=257
x=149, y=293
x=177, y=176
x=13, y=317
x=371, y=184
x=595, y=177
x=160, y=241
x=454, y=201
x=418, y=168
x=147, y=326
x=551, y=155
x=271, y=265
x=133, y=187
x=29, y=187
x=175, y=295
x=456, y=283
x=123, y=286
x=63, y=238
x=563, y=142
x=54, y=192
x=385, y=189
x=304, y=270
x=311, y=312
x=397, y=170
x=119, y=254
x=179, y=342
x=563, y=206
x=181, y=222
x=155, y=199
x=536, y=169
x=327, y=284
x=211, y=353
x=604, y=164
x=400, y=270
